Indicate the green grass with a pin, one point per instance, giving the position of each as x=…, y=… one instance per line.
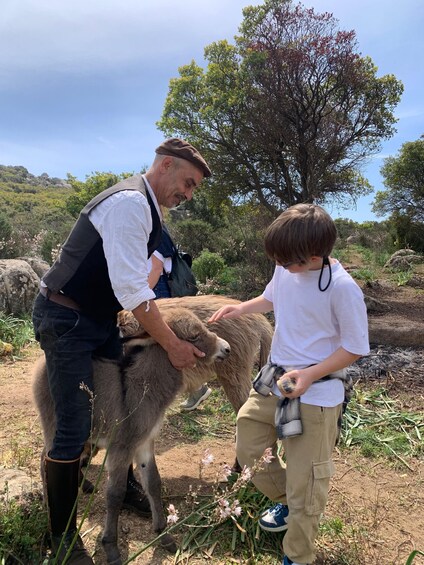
x=413, y=555
x=16, y=331
x=380, y=427
x=23, y=524
x=403, y=277
x=364, y=274
x=341, y=543
x=242, y=537
x=214, y=418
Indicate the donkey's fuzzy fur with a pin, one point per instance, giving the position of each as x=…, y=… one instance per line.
x=129, y=403
x=249, y=337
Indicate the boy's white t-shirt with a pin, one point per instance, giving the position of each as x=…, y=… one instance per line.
x=310, y=324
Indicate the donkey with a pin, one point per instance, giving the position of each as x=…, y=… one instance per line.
x=249, y=336
x=130, y=399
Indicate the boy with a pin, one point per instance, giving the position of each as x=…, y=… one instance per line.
x=320, y=328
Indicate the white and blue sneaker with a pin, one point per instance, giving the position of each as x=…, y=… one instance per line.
x=274, y=519
x=287, y=561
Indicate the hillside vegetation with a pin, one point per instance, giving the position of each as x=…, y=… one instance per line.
x=38, y=212
x=33, y=215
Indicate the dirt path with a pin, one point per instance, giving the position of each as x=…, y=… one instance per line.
x=384, y=505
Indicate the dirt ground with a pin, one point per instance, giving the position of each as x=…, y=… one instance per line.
x=384, y=503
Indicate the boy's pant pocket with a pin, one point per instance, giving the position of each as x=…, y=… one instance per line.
x=317, y=489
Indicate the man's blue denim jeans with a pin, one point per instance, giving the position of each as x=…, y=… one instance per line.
x=70, y=340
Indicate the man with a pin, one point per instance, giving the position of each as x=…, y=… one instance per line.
x=101, y=270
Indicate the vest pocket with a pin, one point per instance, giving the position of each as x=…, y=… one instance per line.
x=317, y=489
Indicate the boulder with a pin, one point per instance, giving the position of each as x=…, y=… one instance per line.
x=403, y=260
x=39, y=265
x=14, y=483
x=416, y=281
x=375, y=306
x=395, y=331
x=19, y=285
x=353, y=239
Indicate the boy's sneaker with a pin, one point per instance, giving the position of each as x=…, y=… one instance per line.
x=196, y=398
x=287, y=561
x=274, y=519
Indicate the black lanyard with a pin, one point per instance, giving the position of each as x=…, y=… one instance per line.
x=325, y=261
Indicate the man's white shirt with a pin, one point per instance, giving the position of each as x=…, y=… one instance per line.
x=124, y=223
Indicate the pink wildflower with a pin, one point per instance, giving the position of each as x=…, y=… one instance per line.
x=225, y=472
x=224, y=511
x=235, y=509
x=207, y=457
x=172, y=517
x=246, y=474
x=267, y=455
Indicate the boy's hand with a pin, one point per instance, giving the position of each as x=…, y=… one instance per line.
x=297, y=380
x=229, y=311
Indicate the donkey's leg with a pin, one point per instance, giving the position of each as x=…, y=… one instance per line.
x=236, y=383
x=152, y=484
x=117, y=466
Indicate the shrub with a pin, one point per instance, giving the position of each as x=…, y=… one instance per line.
x=208, y=265
x=16, y=331
x=192, y=235
x=23, y=524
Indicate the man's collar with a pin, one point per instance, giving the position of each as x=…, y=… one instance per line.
x=153, y=195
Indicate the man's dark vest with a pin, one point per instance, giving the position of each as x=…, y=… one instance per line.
x=81, y=270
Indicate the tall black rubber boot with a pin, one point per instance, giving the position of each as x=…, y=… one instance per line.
x=135, y=498
x=62, y=479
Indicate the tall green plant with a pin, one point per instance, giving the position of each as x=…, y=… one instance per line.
x=16, y=331
x=23, y=524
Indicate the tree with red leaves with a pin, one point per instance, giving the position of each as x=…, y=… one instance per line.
x=289, y=113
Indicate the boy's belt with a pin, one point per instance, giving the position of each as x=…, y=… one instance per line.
x=59, y=298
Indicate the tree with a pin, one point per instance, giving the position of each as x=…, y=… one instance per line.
x=403, y=177
x=289, y=113
x=85, y=191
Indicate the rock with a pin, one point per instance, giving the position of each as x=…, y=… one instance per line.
x=39, y=265
x=18, y=286
x=375, y=306
x=353, y=239
x=14, y=483
x=5, y=348
x=416, y=281
x=403, y=260
x=403, y=253
x=396, y=331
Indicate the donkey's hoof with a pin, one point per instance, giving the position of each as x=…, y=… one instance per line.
x=112, y=552
x=87, y=486
x=168, y=543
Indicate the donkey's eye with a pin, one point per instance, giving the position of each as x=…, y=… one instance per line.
x=193, y=338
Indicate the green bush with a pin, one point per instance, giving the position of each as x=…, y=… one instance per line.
x=23, y=524
x=208, y=265
x=192, y=235
x=16, y=331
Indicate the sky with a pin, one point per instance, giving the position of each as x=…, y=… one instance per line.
x=83, y=83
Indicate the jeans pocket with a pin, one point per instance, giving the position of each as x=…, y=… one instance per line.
x=317, y=489
x=54, y=325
